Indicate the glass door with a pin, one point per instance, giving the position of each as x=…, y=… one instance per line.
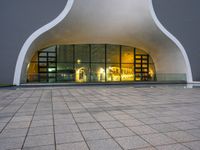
x=47, y=66
x=141, y=69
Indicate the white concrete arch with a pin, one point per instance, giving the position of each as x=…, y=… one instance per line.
x=25, y=53
x=175, y=40
x=127, y=22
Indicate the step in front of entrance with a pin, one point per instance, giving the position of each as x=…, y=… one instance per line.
x=101, y=84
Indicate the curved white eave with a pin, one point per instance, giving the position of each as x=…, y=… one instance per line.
x=174, y=39
x=61, y=17
x=34, y=36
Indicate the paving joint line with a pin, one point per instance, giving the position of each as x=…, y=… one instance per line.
x=31, y=120
x=53, y=119
x=15, y=114
x=102, y=127
x=76, y=123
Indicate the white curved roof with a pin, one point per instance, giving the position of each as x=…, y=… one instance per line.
x=125, y=22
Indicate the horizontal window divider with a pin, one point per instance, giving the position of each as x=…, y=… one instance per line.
x=65, y=62
x=45, y=52
x=127, y=63
x=90, y=62
x=79, y=63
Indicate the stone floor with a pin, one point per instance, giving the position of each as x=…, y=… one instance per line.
x=100, y=118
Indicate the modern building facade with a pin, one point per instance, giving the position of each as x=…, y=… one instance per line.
x=92, y=41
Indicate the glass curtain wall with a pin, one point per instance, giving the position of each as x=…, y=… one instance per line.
x=91, y=63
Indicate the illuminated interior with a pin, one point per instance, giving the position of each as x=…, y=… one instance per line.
x=90, y=63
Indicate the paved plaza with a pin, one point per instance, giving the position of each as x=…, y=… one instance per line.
x=100, y=118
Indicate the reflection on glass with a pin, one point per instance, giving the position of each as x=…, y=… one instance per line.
x=82, y=53
x=152, y=75
x=127, y=54
x=139, y=51
x=113, y=72
x=32, y=72
x=86, y=63
x=98, y=72
x=43, y=77
x=43, y=59
x=51, y=69
x=65, y=53
x=127, y=72
x=65, y=72
x=113, y=53
x=49, y=49
x=97, y=53
x=82, y=72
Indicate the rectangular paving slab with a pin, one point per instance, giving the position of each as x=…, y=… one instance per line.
x=119, y=117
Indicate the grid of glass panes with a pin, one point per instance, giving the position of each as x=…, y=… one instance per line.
x=98, y=63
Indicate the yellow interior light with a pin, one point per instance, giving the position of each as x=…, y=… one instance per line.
x=78, y=61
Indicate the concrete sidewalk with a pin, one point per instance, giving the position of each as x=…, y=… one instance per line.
x=100, y=118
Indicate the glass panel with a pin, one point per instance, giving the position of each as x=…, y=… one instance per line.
x=113, y=72
x=43, y=77
x=145, y=57
x=171, y=77
x=138, y=65
x=138, y=61
x=43, y=70
x=82, y=72
x=127, y=54
x=97, y=53
x=98, y=72
x=43, y=54
x=51, y=69
x=65, y=72
x=139, y=51
x=138, y=76
x=138, y=70
x=43, y=64
x=64, y=67
x=82, y=53
x=144, y=65
x=42, y=59
x=52, y=59
x=52, y=64
x=138, y=57
x=32, y=72
x=144, y=70
x=144, y=61
x=52, y=54
x=65, y=53
x=127, y=72
x=113, y=54
x=145, y=77
x=52, y=77
x=152, y=75
x=49, y=49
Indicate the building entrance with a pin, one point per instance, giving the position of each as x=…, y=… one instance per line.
x=47, y=66
x=90, y=63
